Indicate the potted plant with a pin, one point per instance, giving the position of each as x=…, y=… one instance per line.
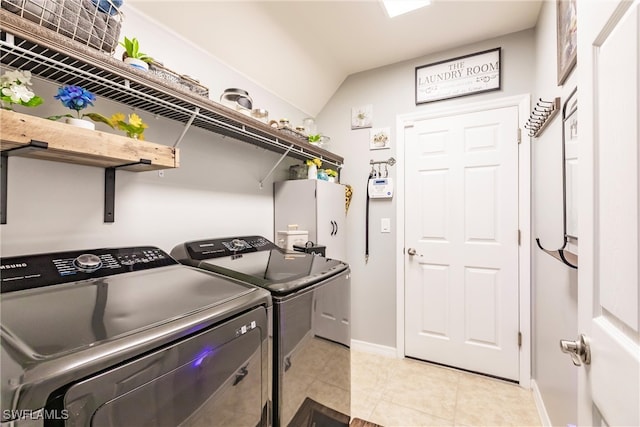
x=332, y=174
x=312, y=167
x=16, y=89
x=315, y=139
x=77, y=98
x=133, y=56
x=134, y=126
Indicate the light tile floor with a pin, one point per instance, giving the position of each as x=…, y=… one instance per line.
x=406, y=392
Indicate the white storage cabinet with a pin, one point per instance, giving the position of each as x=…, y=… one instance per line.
x=316, y=206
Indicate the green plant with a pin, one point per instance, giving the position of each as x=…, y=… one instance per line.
x=315, y=138
x=316, y=161
x=134, y=127
x=331, y=172
x=132, y=50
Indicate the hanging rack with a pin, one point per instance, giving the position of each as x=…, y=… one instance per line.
x=562, y=254
x=542, y=114
x=391, y=161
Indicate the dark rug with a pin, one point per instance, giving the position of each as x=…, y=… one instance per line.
x=314, y=414
x=357, y=422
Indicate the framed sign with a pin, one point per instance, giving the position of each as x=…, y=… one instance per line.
x=566, y=38
x=462, y=76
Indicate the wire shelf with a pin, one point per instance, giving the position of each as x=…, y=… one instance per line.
x=25, y=46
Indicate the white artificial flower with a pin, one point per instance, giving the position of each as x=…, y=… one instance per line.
x=25, y=78
x=18, y=93
x=12, y=77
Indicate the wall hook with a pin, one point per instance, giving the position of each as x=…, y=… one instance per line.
x=542, y=114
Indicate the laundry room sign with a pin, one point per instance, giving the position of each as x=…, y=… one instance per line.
x=461, y=76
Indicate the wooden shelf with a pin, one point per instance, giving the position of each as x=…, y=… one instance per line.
x=29, y=136
x=70, y=144
x=47, y=54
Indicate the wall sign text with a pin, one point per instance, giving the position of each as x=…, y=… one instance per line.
x=462, y=76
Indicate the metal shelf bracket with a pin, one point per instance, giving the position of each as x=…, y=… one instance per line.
x=33, y=145
x=110, y=188
x=284, y=155
x=187, y=126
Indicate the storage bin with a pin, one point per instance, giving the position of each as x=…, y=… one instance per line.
x=286, y=239
x=298, y=171
x=185, y=82
x=95, y=23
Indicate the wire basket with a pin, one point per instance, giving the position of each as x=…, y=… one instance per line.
x=95, y=23
x=183, y=81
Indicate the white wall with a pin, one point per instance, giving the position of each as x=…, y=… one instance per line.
x=555, y=286
x=391, y=92
x=55, y=206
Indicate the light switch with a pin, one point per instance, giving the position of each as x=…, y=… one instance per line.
x=385, y=225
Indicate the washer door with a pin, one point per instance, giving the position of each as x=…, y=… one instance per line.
x=216, y=378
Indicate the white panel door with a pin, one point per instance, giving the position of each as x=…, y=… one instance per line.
x=608, y=274
x=461, y=217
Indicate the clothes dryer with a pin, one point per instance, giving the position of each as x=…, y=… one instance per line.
x=311, y=322
x=129, y=337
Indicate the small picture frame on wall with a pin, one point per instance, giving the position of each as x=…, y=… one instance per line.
x=379, y=138
x=567, y=28
x=362, y=117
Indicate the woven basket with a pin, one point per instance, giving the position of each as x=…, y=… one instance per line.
x=95, y=23
x=185, y=82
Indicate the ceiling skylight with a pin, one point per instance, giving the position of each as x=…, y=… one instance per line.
x=400, y=7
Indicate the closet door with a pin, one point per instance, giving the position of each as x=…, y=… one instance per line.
x=330, y=202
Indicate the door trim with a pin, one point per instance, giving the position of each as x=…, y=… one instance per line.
x=403, y=121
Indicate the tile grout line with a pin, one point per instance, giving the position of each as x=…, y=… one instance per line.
x=455, y=408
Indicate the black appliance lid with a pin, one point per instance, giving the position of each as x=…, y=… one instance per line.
x=60, y=318
x=257, y=261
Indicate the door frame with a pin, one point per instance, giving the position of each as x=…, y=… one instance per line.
x=523, y=102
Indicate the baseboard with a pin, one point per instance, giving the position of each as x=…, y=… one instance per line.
x=542, y=411
x=367, y=347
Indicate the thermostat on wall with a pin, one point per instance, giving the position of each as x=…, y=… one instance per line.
x=381, y=188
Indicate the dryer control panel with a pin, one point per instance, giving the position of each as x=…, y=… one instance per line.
x=217, y=248
x=34, y=271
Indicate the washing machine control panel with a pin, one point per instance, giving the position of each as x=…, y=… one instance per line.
x=33, y=271
x=230, y=246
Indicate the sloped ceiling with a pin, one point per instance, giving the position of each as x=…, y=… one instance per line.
x=303, y=50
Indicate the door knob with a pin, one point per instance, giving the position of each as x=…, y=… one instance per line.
x=579, y=350
x=412, y=252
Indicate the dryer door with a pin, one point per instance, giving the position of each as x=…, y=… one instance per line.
x=216, y=378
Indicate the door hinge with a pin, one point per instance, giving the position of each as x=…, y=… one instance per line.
x=519, y=135
x=519, y=237
x=519, y=339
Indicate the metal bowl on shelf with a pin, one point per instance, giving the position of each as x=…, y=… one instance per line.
x=237, y=99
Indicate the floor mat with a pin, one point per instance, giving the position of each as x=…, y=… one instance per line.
x=357, y=422
x=314, y=414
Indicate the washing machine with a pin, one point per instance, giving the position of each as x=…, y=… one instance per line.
x=130, y=337
x=311, y=322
